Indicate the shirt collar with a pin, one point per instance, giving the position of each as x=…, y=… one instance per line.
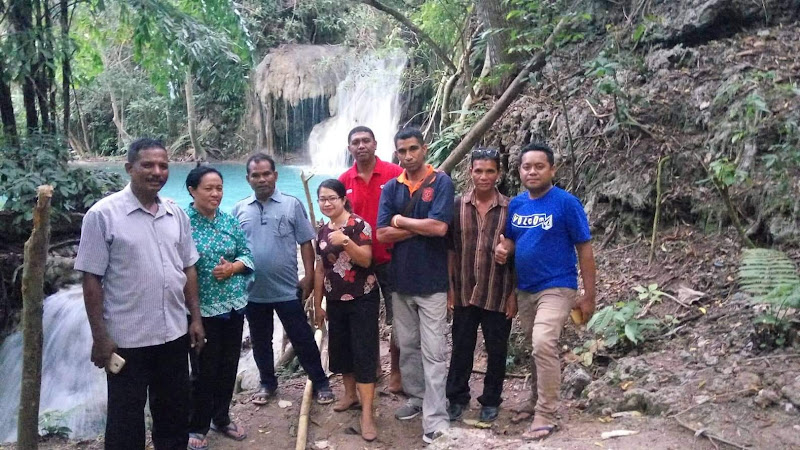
x=277, y=196
x=352, y=173
x=403, y=177
x=499, y=199
x=132, y=203
x=193, y=213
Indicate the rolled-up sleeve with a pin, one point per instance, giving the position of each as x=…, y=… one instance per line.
x=93, y=250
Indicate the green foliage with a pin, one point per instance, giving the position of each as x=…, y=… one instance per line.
x=603, y=71
x=532, y=22
x=771, y=278
x=447, y=139
x=44, y=160
x=726, y=173
x=649, y=293
x=53, y=424
x=618, y=324
x=443, y=20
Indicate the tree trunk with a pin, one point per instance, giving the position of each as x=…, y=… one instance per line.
x=117, y=118
x=42, y=84
x=84, y=131
x=492, y=15
x=476, y=132
x=66, y=64
x=32, y=335
x=199, y=152
x=19, y=13
x=49, y=68
x=7, y=109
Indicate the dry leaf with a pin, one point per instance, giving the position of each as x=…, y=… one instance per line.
x=626, y=414
x=477, y=424
x=617, y=433
x=625, y=385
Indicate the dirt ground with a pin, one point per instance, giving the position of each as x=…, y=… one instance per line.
x=705, y=375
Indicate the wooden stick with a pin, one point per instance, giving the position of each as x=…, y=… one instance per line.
x=712, y=437
x=304, y=179
x=305, y=407
x=661, y=162
x=32, y=335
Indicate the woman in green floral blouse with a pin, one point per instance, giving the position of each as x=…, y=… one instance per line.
x=223, y=273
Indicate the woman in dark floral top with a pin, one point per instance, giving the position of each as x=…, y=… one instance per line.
x=344, y=275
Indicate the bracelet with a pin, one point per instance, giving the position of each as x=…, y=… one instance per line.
x=394, y=221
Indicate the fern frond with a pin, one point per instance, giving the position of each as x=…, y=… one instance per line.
x=768, y=275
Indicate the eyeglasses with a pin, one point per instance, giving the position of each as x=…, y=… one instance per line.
x=323, y=200
x=491, y=153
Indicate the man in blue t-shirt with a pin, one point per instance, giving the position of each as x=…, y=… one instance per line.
x=414, y=214
x=546, y=226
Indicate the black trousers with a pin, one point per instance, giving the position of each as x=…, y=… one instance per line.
x=162, y=373
x=214, y=372
x=496, y=329
x=382, y=271
x=294, y=320
x=353, y=336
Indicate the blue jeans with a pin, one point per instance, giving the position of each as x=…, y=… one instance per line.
x=293, y=318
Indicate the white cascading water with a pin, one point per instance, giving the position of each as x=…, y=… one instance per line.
x=71, y=384
x=369, y=96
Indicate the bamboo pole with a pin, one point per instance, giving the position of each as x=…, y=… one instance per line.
x=32, y=335
x=305, y=407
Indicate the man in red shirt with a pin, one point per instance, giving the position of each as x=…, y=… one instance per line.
x=364, y=183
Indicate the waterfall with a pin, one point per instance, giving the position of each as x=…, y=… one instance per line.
x=71, y=384
x=369, y=96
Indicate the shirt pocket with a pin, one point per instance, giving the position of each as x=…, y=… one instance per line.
x=284, y=227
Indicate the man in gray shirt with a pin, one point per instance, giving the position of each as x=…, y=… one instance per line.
x=139, y=283
x=275, y=223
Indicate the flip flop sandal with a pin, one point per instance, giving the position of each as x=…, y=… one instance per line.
x=262, y=396
x=549, y=428
x=356, y=405
x=325, y=396
x=232, y=430
x=203, y=445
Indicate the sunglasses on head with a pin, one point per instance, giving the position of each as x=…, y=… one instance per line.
x=484, y=153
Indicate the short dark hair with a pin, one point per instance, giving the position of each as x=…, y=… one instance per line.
x=408, y=133
x=257, y=158
x=338, y=187
x=196, y=175
x=360, y=129
x=140, y=144
x=485, y=154
x=539, y=147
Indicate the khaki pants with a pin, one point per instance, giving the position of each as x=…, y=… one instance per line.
x=420, y=324
x=542, y=317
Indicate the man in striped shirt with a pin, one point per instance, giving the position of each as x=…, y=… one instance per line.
x=481, y=291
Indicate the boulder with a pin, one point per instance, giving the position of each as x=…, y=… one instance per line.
x=574, y=380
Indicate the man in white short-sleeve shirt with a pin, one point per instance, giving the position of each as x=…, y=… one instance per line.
x=139, y=284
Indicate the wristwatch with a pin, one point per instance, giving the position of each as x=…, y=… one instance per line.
x=345, y=241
